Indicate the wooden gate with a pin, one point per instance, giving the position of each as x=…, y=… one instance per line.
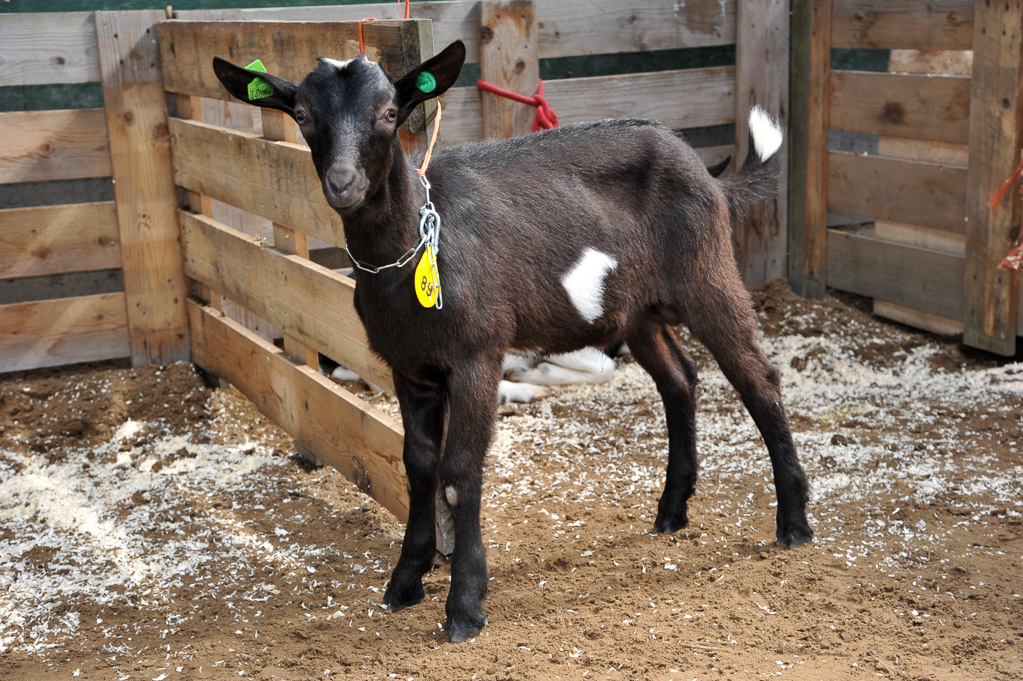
x=272, y=176
x=938, y=268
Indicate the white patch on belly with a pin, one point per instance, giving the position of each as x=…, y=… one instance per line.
x=585, y=283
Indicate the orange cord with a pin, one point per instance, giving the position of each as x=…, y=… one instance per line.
x=362, y=48
x=433, y=140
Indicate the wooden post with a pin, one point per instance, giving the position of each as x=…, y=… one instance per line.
x=154, y=279
x=508, y=59
x=808, y=147
x=762, y=79
x=996, y=114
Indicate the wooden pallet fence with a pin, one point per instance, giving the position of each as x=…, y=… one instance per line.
x=324, y=418
x=934, y=244
x=39, y=241
x=284, y=288
x=508, y=38
x=136, y=233
x=275, y=180
x=271, y=175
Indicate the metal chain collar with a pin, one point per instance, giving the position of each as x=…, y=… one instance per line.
x=429, y=231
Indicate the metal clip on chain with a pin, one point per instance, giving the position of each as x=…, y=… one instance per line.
x=429, y=233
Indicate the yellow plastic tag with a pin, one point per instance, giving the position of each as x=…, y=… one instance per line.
x=427, y=285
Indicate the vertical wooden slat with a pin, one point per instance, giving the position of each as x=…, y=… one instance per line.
x=508, y=59
x=996, y=113
x=762, y=79
x=278, y=126
x=154, y=279
x=190, y=107
x=808, y=144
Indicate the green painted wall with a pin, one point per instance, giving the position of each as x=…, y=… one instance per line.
x=94, y=5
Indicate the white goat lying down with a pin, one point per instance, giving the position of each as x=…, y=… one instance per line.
x=526, y=377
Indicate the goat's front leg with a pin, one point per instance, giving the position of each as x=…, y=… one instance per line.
x=472, y=396
x=422, y=412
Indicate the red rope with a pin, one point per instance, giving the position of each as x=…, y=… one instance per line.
x=1014, y=260
x=545, y=117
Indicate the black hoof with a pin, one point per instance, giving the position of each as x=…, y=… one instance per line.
x=462, y=629
x=669, y=524
x=398, y=598
x=795, y=536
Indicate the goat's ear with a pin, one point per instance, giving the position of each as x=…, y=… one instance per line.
x=256, y=88
x=430, y=79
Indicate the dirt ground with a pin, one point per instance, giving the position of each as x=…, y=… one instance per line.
x=154, y=528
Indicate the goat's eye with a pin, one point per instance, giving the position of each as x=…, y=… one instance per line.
x=300, y=117
x=391, y=115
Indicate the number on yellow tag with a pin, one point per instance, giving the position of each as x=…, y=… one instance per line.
x=427, y=286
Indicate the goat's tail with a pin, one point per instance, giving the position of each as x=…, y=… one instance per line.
x=757, y=179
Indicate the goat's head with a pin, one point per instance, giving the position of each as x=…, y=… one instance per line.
x=349, y=113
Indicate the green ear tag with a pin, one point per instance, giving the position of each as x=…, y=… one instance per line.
x=259, y=88
x=426, y=82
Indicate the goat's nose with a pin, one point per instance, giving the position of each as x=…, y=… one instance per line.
x=339, y=179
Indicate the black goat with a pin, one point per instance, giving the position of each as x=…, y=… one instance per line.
x=575, y=236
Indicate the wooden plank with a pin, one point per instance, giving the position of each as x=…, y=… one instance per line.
x=305, y=300
x=945, y=153
x=918, y=235
x=906, y=275
x=37, y=146
x=908, y=24
x=275, y=180
x=711, y=156
x=459, y=20
x=709, y=97
x=996, y=119
x=709, y=100
x=508, y=59
x=808, y=144
x=326, y=420
x=188, y=48
x=565, y=27
x=48, y=48
x=762, y=79
x=154, y=279
x=56, y=239
x=580, y=27
x=935, y=323
x=928, y=194
x=63, y=331
x=902, y=105
x=463, y=116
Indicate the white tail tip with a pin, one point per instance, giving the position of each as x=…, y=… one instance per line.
x=767, y=136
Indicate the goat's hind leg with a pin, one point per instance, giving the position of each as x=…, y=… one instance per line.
x=656, y=349
x=422, y=410
x=727, y=326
